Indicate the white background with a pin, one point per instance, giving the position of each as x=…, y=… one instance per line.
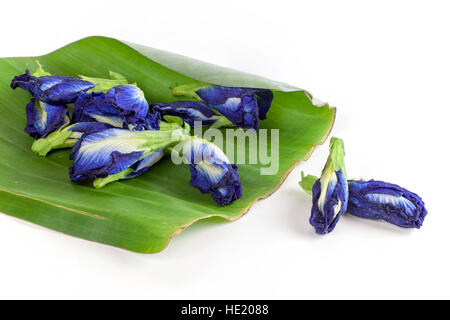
x=384, y=64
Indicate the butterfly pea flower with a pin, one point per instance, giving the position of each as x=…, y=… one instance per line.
x=244, y=107
x=55, y=90
x=330, y=191
x=114, y=154
x=190, y=111
x=94, y=106
x=389, y=202
x=211, y=171
x=66, y=136
x=129, y=100
x=43, y=118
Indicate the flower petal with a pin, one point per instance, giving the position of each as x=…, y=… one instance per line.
x=211, y=171
x=145, y=163
x=57, y=90
x=264, y=99
x=93, y=107
x=43, y=118
x=381, y=200
x=189, y=111
x=129, y=100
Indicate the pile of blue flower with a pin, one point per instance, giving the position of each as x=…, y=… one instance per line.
x=115, y=134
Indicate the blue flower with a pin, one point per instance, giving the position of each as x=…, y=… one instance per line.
x=189, y=111
x=330, y=191
x=381, y=200
x=95, y=107
x=129, y=100
x=211, y=171
x=56, y=90
x=114, y=154
x=244, y=107
x=330, y=195
x=43, y=118
x=104, y=153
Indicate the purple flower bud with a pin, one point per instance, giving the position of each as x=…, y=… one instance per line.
x=389, y=202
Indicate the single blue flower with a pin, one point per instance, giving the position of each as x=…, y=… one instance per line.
x=129, y=100
x=389, y=202
x=238, y=105
x=56, y=90
x=114, y=154
x=43, y=118
x=211, y=171
x=95, y=107
x=330, y=191
x=244, y=107
x=189, y=111
x=144, y=164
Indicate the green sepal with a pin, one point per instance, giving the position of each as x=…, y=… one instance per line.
x=222, y=122
x=337, y=154
x=40, y=71
x=307, y=183
x=189, y=90
x=116, y=76
x=102, y=84
x=55, y=140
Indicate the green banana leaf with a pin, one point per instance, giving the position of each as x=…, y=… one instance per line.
x=144, y=213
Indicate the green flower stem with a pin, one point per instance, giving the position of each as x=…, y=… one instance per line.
x=101, y=182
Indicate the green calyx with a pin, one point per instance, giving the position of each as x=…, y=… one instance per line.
x=55, y=140
x=189, y=90
x=103, y=85
x=307, y=183
x=335, y=162
x=40, y=71
x=169, y=134
x=337, y=153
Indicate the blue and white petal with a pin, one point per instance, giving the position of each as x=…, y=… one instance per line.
x=43, y=118
x=211, y=171
x=330, y=197
x=189, y=111
x=57, y=90
x=104, y=153
x=129, y=100
x=386, y=201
